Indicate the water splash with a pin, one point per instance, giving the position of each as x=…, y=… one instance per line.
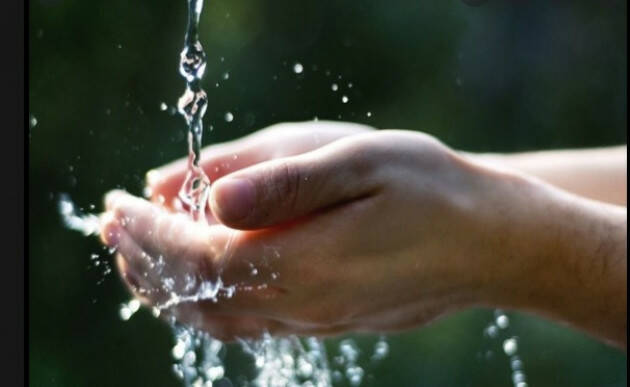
x=204, y=290
x=198, y=357
x=74, y=219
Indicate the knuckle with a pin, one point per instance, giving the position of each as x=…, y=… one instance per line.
x=363, y=158
x=284, y=185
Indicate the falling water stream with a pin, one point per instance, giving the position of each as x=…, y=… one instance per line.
x=192, y=106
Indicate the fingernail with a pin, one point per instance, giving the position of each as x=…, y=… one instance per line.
x=110, y=234
x=110, y=198
x=153, y=177
x=234, y=198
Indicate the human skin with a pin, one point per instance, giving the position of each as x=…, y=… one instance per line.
x=351, y=229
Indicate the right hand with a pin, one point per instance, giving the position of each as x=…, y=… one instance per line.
x=277, y=141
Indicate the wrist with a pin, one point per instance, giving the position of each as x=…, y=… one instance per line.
x=562, y=256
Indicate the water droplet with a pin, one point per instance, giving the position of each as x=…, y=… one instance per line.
x=510, y=346
x=125, y=313
x=215, y=373
x=179, y=350
x=350, y=85
x=334, y=87
x=354, y=375
x=516, y=364
x=368, y=114
x=298, y=68
x=344, y=99
x=304, y=368
x=226, y=75
x=163, y=106
x=349, y=350
x=492, y=331
x=502, y=321
x=381, y=349
x=518, y=377
x=189, y=358
x=229, y=117
x=33, y=121
x=134, y=305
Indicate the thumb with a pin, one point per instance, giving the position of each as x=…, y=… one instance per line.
x=285, y=189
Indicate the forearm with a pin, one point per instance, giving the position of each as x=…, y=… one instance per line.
x=568, y=261
x=599, y=174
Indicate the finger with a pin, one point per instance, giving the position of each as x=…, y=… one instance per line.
x=137, y=285
x=219, y=160
x=174, y=237
x=139, y=270
x=143, y=273
x=192, y=255
x=286, y=189
x=165, y=183
x=139, y=263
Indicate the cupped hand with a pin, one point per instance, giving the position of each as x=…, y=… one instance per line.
x=323, y=228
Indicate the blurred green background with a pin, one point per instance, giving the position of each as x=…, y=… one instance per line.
x=507, y=76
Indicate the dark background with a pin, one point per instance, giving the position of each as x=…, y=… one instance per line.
x=507, y=76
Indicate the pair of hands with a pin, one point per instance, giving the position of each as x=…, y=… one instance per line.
x=324, y=228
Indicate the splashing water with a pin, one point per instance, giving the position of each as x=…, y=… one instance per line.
x=74, y=219
x=198, y=357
